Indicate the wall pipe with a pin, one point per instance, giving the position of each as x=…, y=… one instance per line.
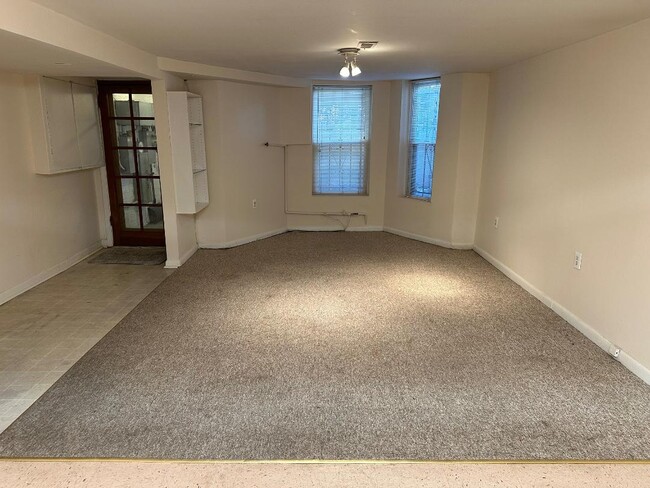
x=330, y=215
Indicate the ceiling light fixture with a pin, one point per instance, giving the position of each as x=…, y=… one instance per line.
x=350, y=66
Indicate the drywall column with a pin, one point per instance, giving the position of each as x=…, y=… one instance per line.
x=449, y=218
x=180, y=231
x=471, y=137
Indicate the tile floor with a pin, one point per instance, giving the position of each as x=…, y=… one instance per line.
x=340, y=475
x=44, y=331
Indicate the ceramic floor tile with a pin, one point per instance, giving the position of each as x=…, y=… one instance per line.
x=44, y=331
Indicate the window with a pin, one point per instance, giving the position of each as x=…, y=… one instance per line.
x=341, y=136
x=423, y=130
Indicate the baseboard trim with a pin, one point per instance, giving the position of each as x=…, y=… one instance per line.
x=177, y=263
x=36, y=280
x=428, y=240
x=587, y=330
x=334, y=228
x=265, y=235
x=244, y=240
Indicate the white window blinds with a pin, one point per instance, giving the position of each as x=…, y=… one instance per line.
x=423, y=130
x=341, y=137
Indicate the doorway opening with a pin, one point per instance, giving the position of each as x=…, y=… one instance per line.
x=132, y=168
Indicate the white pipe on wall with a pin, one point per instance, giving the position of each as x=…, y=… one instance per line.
x=331, y=215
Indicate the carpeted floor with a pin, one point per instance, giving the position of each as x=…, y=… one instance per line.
x=130, y=255
x=340, y=346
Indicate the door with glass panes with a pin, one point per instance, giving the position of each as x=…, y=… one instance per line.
x=132, y=163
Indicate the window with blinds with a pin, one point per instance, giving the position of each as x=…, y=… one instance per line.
x=341, y=138
x=423, y=130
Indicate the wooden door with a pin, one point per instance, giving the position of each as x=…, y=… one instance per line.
x=132, y=163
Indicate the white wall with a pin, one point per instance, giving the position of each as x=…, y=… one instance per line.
x=567, y=167
x=238, y=119
x=449, y=218
x=297, y=123
x=48, y=222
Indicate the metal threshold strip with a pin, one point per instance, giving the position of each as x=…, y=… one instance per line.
x=330, y=461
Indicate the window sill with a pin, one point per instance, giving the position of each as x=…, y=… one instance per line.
x=417, y=199
x=340, y=194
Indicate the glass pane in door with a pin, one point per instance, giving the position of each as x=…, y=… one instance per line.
x=148, y=162
x=123, y=133
x=145, y=133
x=126, y=162
x=150, y=190
x=131, y=217
x=152, y=217
x=121, y=106
x=129, y=190
x=142, y=105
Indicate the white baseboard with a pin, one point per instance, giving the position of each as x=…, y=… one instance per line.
x=176, y=263
x=587, y=330
x=334, y=228
x=429, y=240
x=244, y=240
x=264, y=235
x=13, y=292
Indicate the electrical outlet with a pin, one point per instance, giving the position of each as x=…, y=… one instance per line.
x=496, y=222
x=254, y=203
x=577, y=262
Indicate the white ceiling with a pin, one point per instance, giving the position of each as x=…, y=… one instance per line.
x=417, y=38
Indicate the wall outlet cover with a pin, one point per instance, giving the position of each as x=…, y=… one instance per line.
x=577, y=261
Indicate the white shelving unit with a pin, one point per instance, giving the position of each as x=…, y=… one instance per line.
x=188, y=151
x=65, y=127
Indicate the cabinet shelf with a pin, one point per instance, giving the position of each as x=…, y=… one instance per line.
x=188, y=151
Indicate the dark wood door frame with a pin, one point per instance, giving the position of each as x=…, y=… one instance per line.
x=123, y=236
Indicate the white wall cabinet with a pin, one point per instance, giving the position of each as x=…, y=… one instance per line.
x=65, y=125
x=188, y=151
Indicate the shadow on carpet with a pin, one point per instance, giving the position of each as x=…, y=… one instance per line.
x=340, y=346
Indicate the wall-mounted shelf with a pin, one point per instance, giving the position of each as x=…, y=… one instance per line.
x=65, y=128
x=188, y=151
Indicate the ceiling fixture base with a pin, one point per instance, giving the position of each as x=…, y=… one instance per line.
x=350, y=67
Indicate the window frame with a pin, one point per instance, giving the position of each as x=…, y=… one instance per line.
x=407, y=164
x=366, y=175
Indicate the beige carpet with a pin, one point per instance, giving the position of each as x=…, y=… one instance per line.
x=340, y=346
